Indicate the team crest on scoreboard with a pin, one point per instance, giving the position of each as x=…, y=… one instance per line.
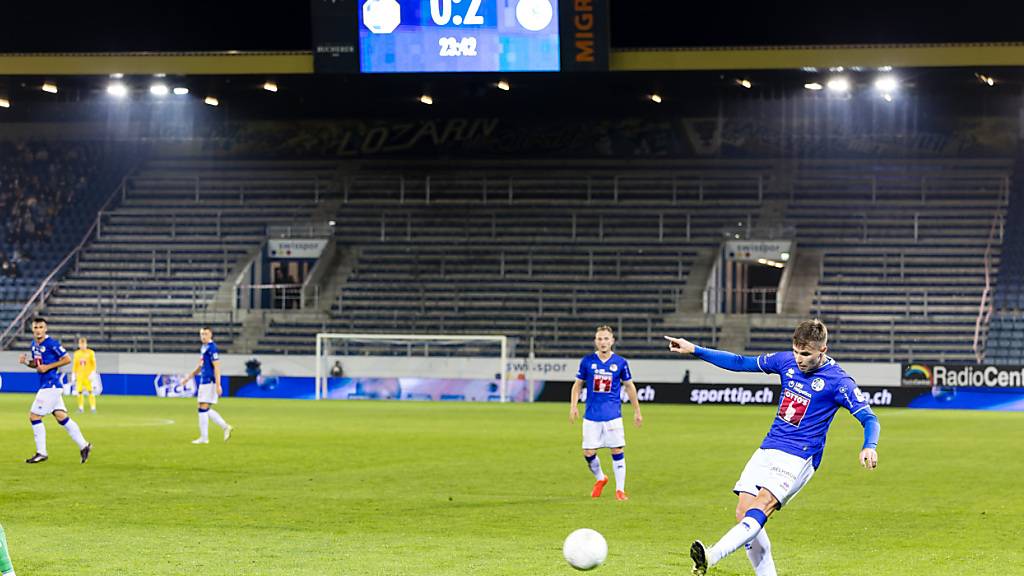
x=818, y=384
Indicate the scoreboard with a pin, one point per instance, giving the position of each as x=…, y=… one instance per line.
x=417, y=36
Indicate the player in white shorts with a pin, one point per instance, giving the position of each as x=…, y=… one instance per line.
x=48, y=355
x=814, y=387
x=208, y=387
x=605, y=375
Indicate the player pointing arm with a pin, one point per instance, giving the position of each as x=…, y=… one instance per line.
x=814, y=387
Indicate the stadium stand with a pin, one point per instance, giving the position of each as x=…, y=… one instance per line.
x=164, y=250
x=49, y=194
x=904, y=249
x=537, y=252
x=544, y=252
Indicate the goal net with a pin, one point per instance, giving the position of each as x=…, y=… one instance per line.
x=412, y=367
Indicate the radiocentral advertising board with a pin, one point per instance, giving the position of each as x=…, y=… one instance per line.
x=966, y=386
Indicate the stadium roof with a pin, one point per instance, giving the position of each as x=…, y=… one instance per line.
x=622, y=60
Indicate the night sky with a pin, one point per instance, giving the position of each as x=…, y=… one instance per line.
x=191, y=25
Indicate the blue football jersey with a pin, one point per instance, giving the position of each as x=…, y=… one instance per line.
x=604, y=386
x=807, y=404
x=209, y=355
x=47, y=352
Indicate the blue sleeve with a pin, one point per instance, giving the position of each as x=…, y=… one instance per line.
x=626, y=374
x=581, y=373
x=727, y=360
x=872, y=428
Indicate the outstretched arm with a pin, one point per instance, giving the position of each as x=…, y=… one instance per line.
x=727, y=360
x=872, y=429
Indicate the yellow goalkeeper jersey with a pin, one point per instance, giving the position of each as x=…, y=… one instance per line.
x=85, y=364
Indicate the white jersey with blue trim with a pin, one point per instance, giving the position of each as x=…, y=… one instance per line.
x=807, y=404
x=603, y=379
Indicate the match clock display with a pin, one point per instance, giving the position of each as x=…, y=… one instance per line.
x=458, y=36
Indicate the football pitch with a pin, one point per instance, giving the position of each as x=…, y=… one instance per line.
x=381, y=488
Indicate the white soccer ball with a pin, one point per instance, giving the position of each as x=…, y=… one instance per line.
x=585, y=549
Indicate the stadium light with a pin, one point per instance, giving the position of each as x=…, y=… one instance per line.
x=332, y=223
x=426, y=99
x=503, y=85
x=270, y=86
x=50, y=87
x=656, y=98
x=158, y=89
x=5, y=103
x=117, y=89
x=744, y=83
x=987, y=80
x=180, y=91
x=784, y=256
x=886, y=84
x=211, y=101
x=813, y=86
x=838, y=85
x=887, y=97
x=117, y=75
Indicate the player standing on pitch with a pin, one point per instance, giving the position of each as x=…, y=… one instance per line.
x=84, y=367
x=605, y=374
x=814, y=387
x=47, y=356
x=208, y=388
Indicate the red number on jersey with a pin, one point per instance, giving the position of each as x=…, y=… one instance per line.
x=602, y=383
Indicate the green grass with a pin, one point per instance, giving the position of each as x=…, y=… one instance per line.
x=375, y=488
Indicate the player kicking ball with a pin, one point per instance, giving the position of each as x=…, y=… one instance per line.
x=814, y=387
x=605, y=374
x=47, y=356
x=208, y=388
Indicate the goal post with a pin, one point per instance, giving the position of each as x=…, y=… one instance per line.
x=455, y=357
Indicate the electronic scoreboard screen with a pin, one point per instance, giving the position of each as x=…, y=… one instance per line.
x=458, y=36
x=415, y=36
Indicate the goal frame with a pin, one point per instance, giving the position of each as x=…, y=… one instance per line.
x=321, y=372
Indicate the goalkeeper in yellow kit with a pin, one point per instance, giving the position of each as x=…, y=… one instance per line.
x=84, y=368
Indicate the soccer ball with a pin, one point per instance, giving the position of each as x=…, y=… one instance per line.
x=585, y=549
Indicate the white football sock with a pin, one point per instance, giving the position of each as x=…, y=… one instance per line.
x=738, y=536
x=759, y=551
x=619, y=467
x=39, y=432
x=217, y=419
x=204, y=425
x=75, y=432
x=595, y=466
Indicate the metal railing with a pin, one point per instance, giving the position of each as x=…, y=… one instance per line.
x=48, y=284
x=985, y=305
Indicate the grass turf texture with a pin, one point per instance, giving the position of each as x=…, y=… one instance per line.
x=436, y=488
